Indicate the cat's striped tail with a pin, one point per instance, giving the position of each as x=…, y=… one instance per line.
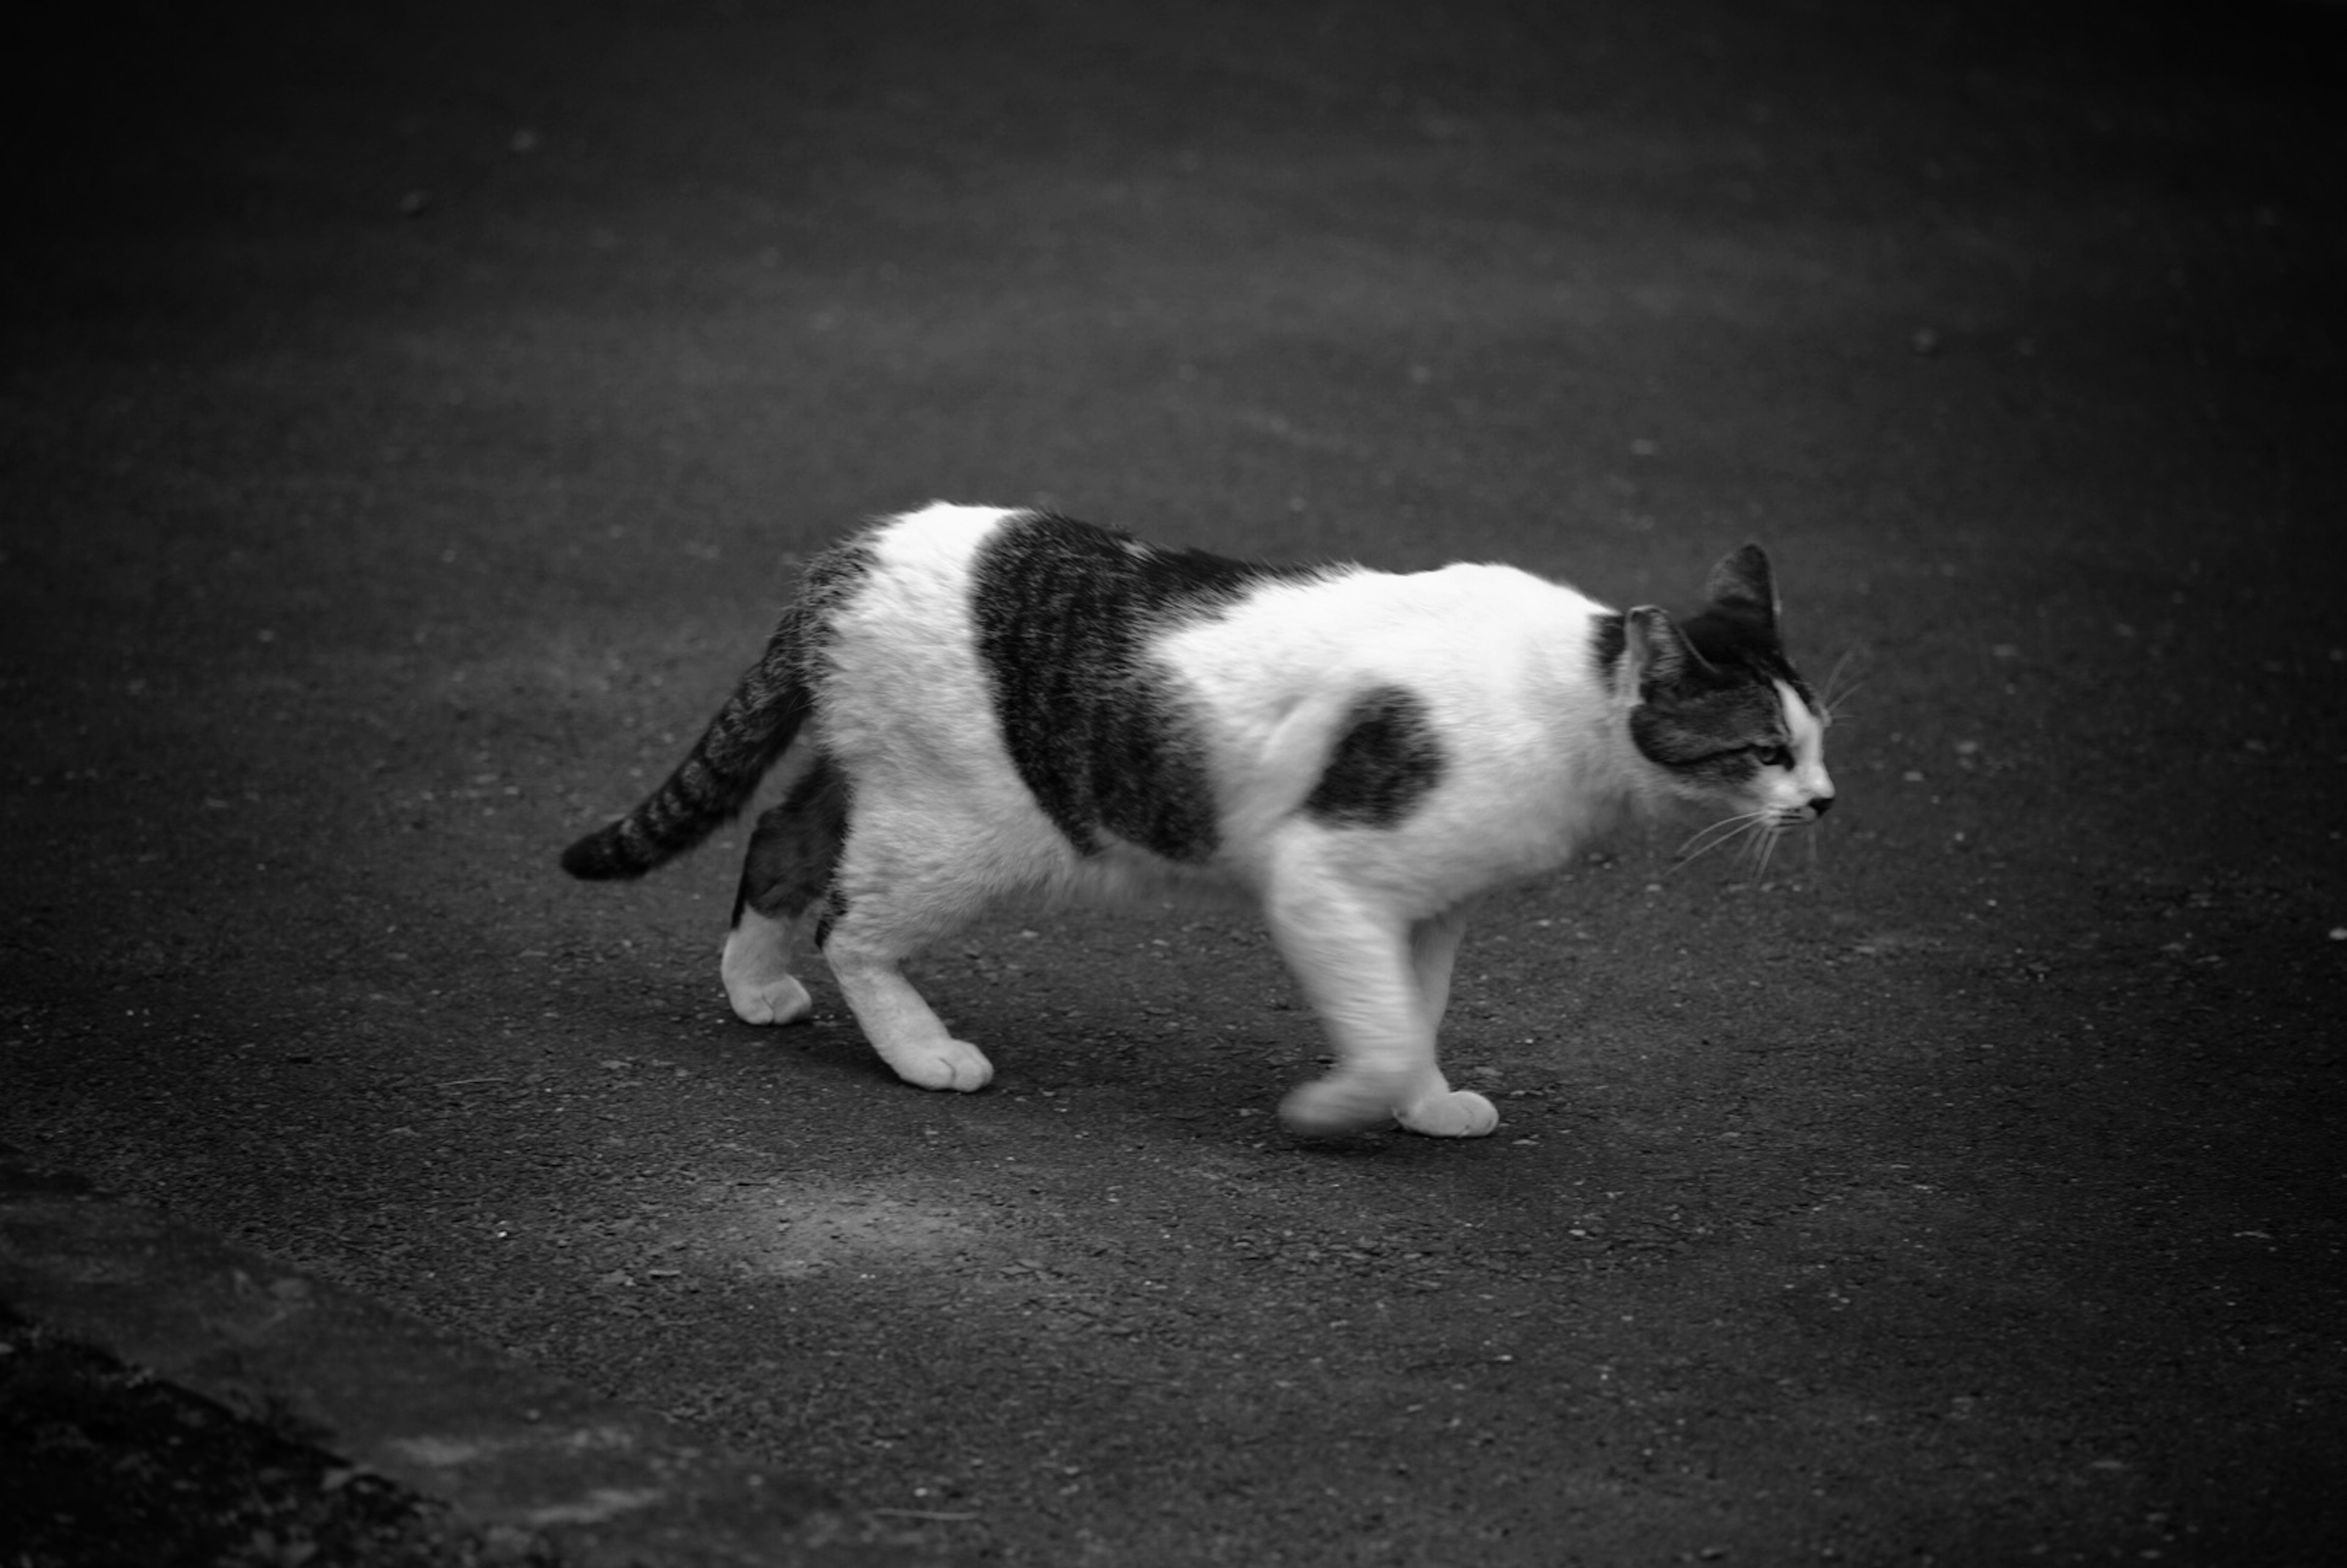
x=713, y=783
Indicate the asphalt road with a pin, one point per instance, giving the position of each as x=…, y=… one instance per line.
x=410, y=417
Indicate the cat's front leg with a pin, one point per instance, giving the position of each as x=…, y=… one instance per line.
x=1440, y=1111
x=1433, y=953
x=1379, y=983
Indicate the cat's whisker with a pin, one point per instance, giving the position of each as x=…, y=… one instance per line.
x=1710, y=837
x=1833, y=692
x=1726, y=831
x=1832, y=682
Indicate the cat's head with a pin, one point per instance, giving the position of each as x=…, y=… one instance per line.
x=1719, y=712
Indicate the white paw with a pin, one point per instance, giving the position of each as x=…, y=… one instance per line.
x=768, y=1001
x=953, y=1065
x=1460, y=1113
x=756, y=970
x=1336, y=1104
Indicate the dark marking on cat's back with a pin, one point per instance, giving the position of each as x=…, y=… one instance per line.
x=1065, y=614
x=1387, y=759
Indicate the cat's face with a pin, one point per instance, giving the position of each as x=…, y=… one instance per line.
x=1722, y=713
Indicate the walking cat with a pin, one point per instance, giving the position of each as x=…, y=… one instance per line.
x=977, y=703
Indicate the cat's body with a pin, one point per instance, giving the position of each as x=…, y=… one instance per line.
x=1007, y=703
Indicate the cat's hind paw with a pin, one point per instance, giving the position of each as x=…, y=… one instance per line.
x=768, y=1001
x=776, y=1001
x=756, y=970
x=954, y=1065
x=1459, y=1113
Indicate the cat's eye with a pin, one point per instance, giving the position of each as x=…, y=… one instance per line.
x=1772, y=756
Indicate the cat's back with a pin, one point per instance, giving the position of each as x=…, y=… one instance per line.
x=884, y=619
x=1020, y=576
x=1465, y=632
x=915, y=562
x=1043, y=605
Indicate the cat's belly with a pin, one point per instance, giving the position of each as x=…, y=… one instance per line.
x=1124, y=874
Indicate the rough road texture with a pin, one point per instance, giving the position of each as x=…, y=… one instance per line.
x=407, y=429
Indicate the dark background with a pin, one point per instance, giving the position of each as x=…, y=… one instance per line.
x=410, y=416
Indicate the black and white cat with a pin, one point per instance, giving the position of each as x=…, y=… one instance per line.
x=979, y=702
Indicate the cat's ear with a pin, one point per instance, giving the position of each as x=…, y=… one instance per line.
x=1742, y=584
x=1654, y=651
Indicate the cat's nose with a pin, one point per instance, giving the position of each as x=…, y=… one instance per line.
x=1819, y=805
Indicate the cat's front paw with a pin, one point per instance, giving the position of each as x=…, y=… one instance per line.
x=768, y=1002
x=1459, y=1113
x=953, y=1065
x=1329, y=1106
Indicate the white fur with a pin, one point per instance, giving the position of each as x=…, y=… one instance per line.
x=1369, y=918
x=756, y=970
x=1500, y=658
x=1794, y=792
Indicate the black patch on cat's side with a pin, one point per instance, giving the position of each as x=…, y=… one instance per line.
x=1387, y=759
x=1065, y=612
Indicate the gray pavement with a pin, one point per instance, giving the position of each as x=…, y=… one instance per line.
x=543, y=1471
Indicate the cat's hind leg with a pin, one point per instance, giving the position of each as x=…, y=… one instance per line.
x=756, y=970
x=897, y=901
x=793, y=856
x=867, y=953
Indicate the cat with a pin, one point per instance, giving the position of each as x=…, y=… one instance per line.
x=977, y=703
